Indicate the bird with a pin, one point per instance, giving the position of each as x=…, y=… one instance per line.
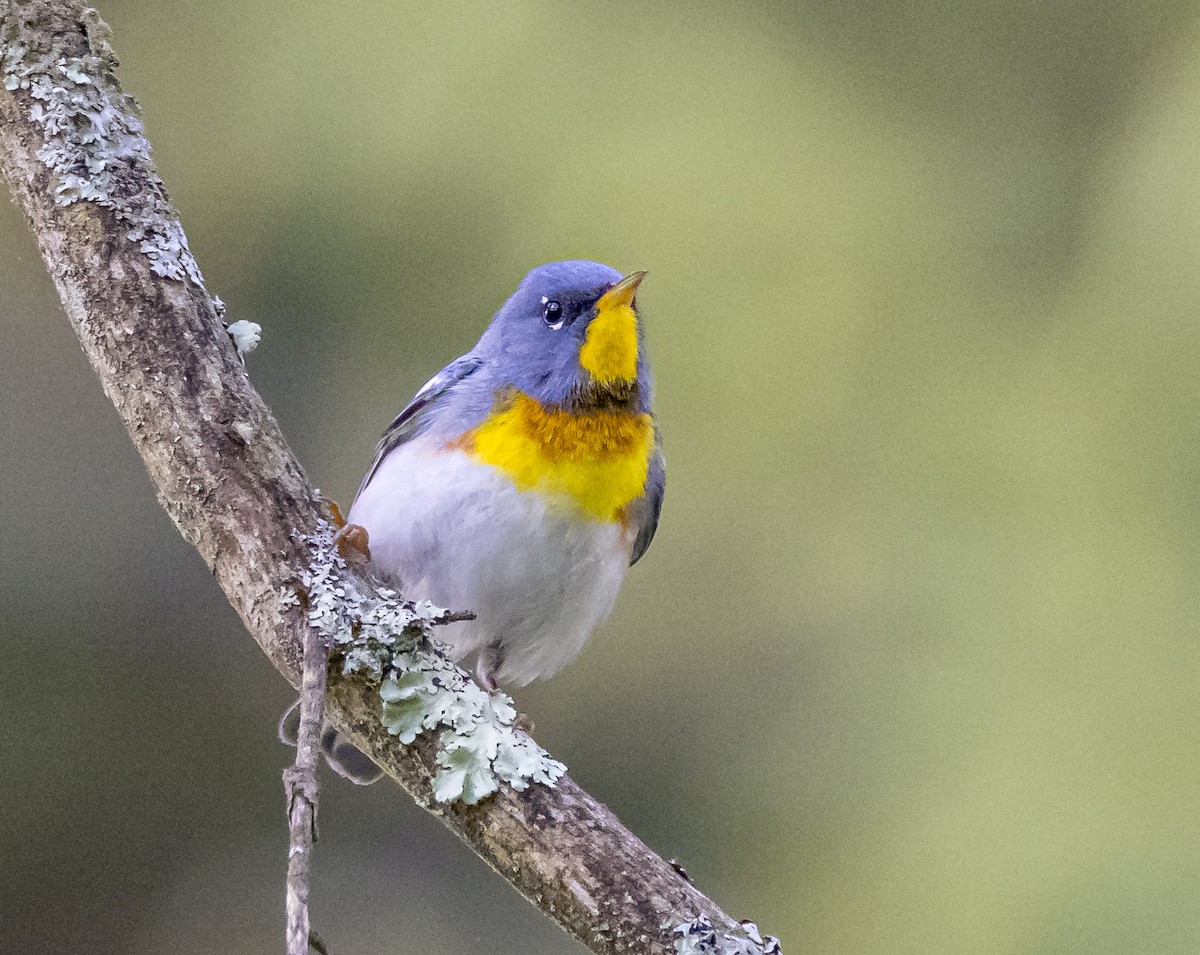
x=524, y=478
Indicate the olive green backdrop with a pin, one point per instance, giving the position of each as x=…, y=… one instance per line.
x=912, y=665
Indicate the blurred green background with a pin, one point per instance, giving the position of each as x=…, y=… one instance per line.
x=912, y=664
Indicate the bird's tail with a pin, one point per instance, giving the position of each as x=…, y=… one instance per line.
x=343, y=757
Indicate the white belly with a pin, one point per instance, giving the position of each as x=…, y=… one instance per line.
x=447, y=529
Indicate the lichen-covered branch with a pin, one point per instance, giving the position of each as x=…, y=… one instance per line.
x=74, y=153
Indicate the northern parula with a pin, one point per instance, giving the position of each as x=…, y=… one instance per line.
x=526, y=476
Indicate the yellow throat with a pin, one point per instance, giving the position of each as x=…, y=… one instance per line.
x=609, y=352
x=610, y=348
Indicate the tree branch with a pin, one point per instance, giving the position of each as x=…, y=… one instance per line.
x=72, y=150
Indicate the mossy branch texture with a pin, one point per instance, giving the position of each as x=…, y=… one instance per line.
x=73, y=150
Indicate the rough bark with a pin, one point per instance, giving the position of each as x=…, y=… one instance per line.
x=224, y=473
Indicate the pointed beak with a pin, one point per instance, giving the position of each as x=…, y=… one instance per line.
x=622, y=293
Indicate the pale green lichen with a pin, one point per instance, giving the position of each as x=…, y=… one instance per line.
x=246, y=336
x=383, y=637
x=92, y=136
x=698, y=936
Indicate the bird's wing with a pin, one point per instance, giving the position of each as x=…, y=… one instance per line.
x=413, y=419
x=645, y=510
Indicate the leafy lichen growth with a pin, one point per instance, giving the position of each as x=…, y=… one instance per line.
x=698, y=936
x=93, y=140
x=246, y=336
x=391, y=640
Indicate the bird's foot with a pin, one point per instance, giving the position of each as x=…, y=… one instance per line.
x=524, y=723
x=353, y=544
x=335, y=512
x=484, y=668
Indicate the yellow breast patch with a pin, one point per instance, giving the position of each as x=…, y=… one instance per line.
x=595, y=460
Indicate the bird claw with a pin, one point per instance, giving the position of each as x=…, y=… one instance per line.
x=484, y=668
x=335, y=512
x=353, y=544
x=524, y=724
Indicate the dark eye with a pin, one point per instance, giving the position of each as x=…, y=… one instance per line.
x=553, y=313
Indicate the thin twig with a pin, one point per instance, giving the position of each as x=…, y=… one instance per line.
x=300, y=787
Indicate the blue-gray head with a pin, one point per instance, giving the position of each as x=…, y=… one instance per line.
x=570, y=333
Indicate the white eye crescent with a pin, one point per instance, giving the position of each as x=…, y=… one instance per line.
x=552, y=313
